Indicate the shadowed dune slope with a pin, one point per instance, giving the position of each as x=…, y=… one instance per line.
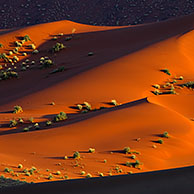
x=167, y=181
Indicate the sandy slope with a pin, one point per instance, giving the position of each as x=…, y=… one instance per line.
x=126, y=63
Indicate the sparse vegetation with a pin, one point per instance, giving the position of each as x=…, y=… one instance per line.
x=35, y=51
x=36, y=125
x=48, y=123
x=20, y=120
x=76, y=155
x=90, y=54
x=157, y=86
x=166, y=71
x=26, y=129
x=58, y=173
x=8, y=74
x=1, y=45
x=165, y=134
x=17, y=109
x=114, y=102
x=189, y=84
x=20, y=166
x=13, y=123
x=60, y=117
x=160, y=141
x=157, y=92
x=50, y=176
x=46, y=63
x=79, y=107
x=135, y=164
x=26, y=38
x=91, y=150
x=57, y=47
x=88, y=175
x=127, y=150
x=31, y=119
x=87, y=106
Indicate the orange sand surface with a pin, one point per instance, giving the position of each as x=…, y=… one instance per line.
x=125, y=65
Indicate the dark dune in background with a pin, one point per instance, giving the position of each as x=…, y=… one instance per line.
x=168, y=181
x=96, y=12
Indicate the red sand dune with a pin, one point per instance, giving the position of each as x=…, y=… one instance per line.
x=126, y=63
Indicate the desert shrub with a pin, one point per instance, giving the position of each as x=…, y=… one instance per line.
x=60, y=117
x=88, y=175
x=4, y=57
x=59, y=69
x=157, y=92
x=79, y=107
x=172, y=87
x=105, y=161
x=83, y=172
x=135, y=164
x=57, y=47
x=10, y=53
x=48, y=123
x=101, y=174
x=20, y=166
x=35, y=51
x=87, y=106
x=181, y=78
x=13, y=123
x=127, y=150
x=7, y=170
x=26, y=129
x=15, y=50
x=50, y=176
x=189, y=84
x=18, y=44
x=157, y=86
x=58, y=173
x=46, y=63
x=90, y=54
x=31, y=119
x=166, y=71
x=32, y=46
x=27, y=174
x=1, y=45
x=36, y=125
x=91, y=150
x=55, y=38
x=135, y=152
x=65, y=157
x=17, y=109
x=133, y=156
x=114, y=102
x=15, y=59
x=60, y=34
x=165, y=134
x=24, y=54
x=76, y=155
x=160, y=141
x=26, y=38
